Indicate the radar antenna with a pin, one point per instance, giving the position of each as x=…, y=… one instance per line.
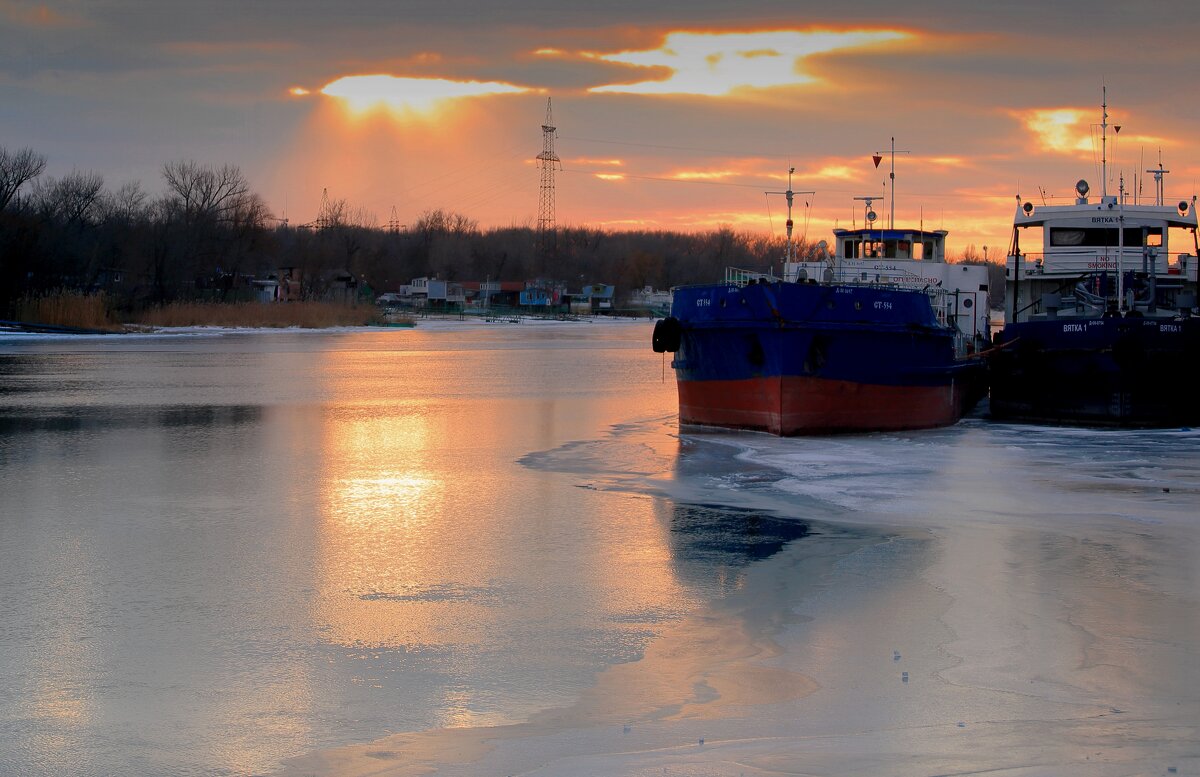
x=1158, y=174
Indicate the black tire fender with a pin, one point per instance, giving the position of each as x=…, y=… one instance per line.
x=667, y=334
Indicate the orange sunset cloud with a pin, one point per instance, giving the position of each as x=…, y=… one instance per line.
x=409, y=95
x=592, y=161
x=717, y=63
x=1062, y=130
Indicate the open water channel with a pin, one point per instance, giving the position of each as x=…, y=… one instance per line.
x=220, y=551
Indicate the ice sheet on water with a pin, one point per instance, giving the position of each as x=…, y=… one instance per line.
x=978, y=466
x=976, y=470
x=487, y=596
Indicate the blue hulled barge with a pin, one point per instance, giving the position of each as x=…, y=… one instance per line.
x=882, y=334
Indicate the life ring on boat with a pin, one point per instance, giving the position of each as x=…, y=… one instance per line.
x=667, y=334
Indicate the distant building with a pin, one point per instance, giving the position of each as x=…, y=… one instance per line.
x=342, y=287
x=283, y=285
x=435, y=294
x=542, y=294
x=648, y=299
x=596, y=298
x=265, y=289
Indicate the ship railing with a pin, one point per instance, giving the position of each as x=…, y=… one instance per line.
x=736, y=276
x=948, y=310
x=943, y=303
x=1093, y=259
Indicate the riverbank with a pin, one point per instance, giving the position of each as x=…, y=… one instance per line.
x=71, y=313
x=92, y=313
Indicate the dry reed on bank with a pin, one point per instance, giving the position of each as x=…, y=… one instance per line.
x=67, y=308
x=311, y=315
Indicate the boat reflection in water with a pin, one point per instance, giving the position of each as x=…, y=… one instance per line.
x=711, y=545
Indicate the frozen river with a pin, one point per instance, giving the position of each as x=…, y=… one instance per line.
x=489, y=551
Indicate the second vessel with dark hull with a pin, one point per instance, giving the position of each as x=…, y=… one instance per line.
x=1100, y=322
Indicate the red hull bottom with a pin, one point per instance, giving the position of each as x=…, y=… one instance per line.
x=802, y=405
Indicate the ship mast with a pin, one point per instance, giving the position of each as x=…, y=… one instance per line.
x=791, y=248
x=1103, y=144
x=877, y=157
x=1121, y=246
x=790, y=254
x=892, y=189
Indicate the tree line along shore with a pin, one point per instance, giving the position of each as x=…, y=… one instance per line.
x=77, y=252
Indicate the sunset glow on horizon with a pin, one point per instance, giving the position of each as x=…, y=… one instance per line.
x=666, y=118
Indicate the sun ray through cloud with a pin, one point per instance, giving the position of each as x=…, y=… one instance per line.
x=718, y=63
x=364, y=93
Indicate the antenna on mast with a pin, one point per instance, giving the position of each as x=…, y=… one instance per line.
x=1121, y=247
x=1103, y=142
x=869, y=215
x=790, y=255
x=877, y=158
x=1158, y=174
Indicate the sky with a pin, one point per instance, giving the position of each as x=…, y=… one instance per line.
x=669, y=115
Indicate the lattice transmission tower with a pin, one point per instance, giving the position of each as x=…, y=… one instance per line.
x=547, y=234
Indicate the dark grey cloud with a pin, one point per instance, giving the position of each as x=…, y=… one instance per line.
x=123, y=86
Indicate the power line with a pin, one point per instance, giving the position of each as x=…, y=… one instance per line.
x=675, y=148
x=660, y=178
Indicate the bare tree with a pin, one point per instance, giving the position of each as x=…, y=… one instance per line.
x=204, y=193
x=17, y=168
x=432, y=222
x=970, y=255
x=333, y=213
x=127, y=204
x=73, y=199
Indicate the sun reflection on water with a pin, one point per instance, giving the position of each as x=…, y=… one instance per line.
x=438, y=545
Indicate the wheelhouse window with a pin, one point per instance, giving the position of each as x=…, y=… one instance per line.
x=1067, y=237
x=1107, y=238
